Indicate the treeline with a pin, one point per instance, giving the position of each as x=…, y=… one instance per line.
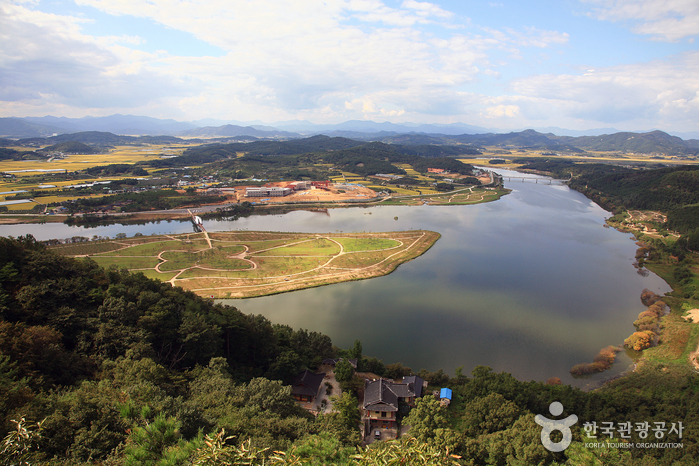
x=230, y=211
x=13, y=154
x=102, y=139
x=378, y=157
x=435, y=150
x=141, y=201
x=116, y=169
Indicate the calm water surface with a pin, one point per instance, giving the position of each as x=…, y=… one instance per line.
x=531, y=284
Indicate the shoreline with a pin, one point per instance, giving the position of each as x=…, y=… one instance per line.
x=189, y=266
x=126, y=218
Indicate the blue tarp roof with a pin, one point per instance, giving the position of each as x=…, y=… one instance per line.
x=445, y=393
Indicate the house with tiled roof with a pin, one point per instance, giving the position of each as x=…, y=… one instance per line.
x=306, y=385
x=383, y=398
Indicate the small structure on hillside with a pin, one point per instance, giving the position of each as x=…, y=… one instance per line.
x=445, y=396
x=333, y=362
x=306, y=385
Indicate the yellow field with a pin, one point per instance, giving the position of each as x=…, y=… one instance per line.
x=406, y=192
x=52, y=199
x=411, y=172
x=24, y=206
x=121, y=154
x=591, y=156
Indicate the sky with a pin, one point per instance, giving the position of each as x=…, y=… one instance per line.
x=577, y=64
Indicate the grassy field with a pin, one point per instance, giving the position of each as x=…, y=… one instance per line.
x=127, y=262
x=246, y=264
x=458, y=197
x=590, y=156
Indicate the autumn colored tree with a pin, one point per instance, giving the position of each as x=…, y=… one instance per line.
x=639, y=341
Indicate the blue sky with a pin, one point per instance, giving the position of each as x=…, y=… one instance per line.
x=577, y=64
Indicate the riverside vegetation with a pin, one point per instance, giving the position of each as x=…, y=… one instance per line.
x=110, y=367
x=119, y=369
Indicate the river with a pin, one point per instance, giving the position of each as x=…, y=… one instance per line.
x=531, y=284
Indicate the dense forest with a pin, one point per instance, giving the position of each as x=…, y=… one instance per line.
x=140, y=201
x=116, y=169
x=108, y=367
x=616, y=187
x=300, y=158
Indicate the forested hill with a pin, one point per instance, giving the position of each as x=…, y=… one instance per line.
x=644, y=143
x=102, y=139
x=122, y=339
x=347, y=154
x=616, y=187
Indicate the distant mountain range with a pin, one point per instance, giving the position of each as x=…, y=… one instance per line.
x=104, y=130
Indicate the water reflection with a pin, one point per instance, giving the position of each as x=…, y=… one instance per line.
x=531, y=284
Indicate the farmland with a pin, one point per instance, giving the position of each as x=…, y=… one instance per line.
x=245, y=264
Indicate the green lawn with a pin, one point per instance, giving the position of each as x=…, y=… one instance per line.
x=255, y=246
x=312, y=247
x=148, y=249
x=366, y=244
x=81, y=249
x=127, y=262
x=178, y=260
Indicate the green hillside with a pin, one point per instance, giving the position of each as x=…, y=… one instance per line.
x=124, y=370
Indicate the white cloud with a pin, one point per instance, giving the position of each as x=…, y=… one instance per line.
x=499, y=111
x=661, y=93
x=533, y=37
x=46, y=62
x=427, y=9
x=331, y=60
x=298, y=56
x=668, y=20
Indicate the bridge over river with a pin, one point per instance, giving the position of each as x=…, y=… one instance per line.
x=529, y=179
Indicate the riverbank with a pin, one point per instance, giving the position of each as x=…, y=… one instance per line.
x=678, y=339
x=465, y=196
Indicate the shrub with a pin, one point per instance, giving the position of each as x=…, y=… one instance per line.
x=603, y=361
x=639, y=340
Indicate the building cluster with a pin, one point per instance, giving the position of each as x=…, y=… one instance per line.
x=279, y=191
x=383, y=399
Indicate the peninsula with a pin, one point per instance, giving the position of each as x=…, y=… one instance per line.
x=244, y=264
